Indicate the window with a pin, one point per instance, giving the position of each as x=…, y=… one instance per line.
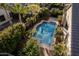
x=2, y=18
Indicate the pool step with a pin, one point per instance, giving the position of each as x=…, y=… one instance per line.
x=46, y=51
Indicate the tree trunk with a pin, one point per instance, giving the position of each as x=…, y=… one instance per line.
x=20, y=18
x=8, y=16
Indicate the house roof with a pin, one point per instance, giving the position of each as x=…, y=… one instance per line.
x=75, y=30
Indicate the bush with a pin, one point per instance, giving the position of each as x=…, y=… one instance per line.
x=59, y=31
x=59, y=35
x=30, y=22
x=14, y=15
x=59, y=19
x=31, y=49
x=60, y=49
x=10, y=37
x=43, y=13
x=31, y=19
x=33, y=8
x=55, y=12
x=57, y=5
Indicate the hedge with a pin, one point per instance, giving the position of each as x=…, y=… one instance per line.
x=10, y=37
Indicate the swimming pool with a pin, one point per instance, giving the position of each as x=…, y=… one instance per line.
x=45, y=32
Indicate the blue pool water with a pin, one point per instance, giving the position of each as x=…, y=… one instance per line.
x=44, y=32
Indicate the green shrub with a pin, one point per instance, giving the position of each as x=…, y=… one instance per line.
x=1, y=20
x=43, y=13
x=59, y=31
x=31, y=49
x=59, y=49
x=57, y=5
x=56, y=12
x=33, y=8
x=59, y=35
x=60, y=20
x=31, y=19
x=60, y=12
x=30, y=22
x=10, y=37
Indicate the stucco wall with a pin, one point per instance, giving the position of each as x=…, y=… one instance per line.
x=2, y=12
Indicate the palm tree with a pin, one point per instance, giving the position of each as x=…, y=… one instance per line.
x=5, y=7
x=18, y=8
